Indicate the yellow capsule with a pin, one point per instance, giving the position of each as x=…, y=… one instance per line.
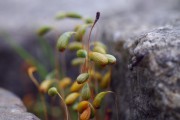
x=63, y=40
x=64, y=82
x=99, y=49
x=98, y=99
x=61, y=15
x=73, y=15
x=83, y=77
x=106, y=80
x=77, y=27
x=81, y=31
x=95, y=75
x=52, y=91
x=82, y=106
x=100, y=44
x=111, y=59
x=86, y=92
x=76, y=87
x=44, y=86
x=86, y=114
x=88, y=20
x=77, y=61
x=71, y=98
x=43, y=30
x=81, y=53
x=75, y=46
x=98, y=58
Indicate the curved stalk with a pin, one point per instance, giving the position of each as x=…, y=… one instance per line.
x=66, y=109
x=95, y=21
x=34, y=80
x=44, y=106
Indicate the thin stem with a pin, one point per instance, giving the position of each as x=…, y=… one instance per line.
x=34, y=81
x=44, y=106
x=95, y=21
x=66, y=109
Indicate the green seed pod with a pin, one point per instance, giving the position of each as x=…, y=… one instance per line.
x=86, y=92
x=51, y=75
x=73, y=15
x=75, y=46
x=88, y=20
x=106, y=80
x=111, y=59
x=77, y=61
x=52, y=91
x=75, y=107
x=99, y=49
x=64, y=40
x=100, y=44
x=61, y=15
x=81, y=53
x=43, y=30
x=98, y=99
x=77, y=27
x=81, y=31
x=98, y=58
x=44, y=86
x=71, y=98
x=82, y=78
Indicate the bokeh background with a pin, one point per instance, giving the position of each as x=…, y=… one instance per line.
x=19, y=21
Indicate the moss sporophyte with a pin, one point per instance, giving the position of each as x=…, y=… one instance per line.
x=81, y=98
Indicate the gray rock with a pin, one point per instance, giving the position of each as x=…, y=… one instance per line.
x=147, y=47
x=11, y=107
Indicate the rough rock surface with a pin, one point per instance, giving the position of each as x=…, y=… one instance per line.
x=147, y=47
x=11, y=108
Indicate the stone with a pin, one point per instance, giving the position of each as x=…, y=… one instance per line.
x=147, y=46
x=11, y=107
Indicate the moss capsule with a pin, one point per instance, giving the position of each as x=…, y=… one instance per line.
x=83, y=77
x=63, y=40
x=81, y=53
x=98, y=58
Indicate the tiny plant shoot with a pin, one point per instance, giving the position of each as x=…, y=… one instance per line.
x=84, y=96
